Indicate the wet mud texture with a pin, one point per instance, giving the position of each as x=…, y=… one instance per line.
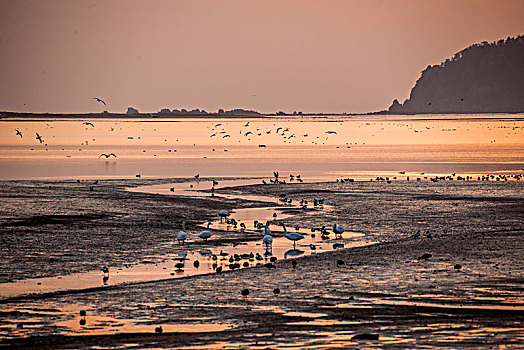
x=56, y=228
x=463, y=287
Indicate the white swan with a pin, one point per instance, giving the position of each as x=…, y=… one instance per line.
x=206, y=233
x=268, y=240
x=292, y=236
x=266, y=230
x=182, y=236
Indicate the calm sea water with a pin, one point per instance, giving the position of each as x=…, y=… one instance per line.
x=316, y=148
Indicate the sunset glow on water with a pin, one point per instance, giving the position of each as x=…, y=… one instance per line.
x=272, y=174
x=318, y=147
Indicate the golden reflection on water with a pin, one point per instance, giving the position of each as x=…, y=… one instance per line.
x=101, y=325
x=268, y=131
x=207, y=145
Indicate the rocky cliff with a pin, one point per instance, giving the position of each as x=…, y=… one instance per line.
x=483, y=78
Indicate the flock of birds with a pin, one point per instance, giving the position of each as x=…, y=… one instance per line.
x=218, y=130
x=450, y=177
x=267, y=238
x=266, y=235
x=41, y=140
x=38, y=136
x=235, y=260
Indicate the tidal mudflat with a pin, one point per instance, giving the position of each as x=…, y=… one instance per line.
x=443, y=266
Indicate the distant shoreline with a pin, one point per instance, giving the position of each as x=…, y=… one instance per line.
x=32, y=115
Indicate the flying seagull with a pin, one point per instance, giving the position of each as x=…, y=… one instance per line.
x=107, y=155
x=99, y=100
x=89, y=123
x=39, y=138
x=18, y=132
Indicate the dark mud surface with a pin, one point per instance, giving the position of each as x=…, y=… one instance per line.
x=55, y=228
x=458, y=285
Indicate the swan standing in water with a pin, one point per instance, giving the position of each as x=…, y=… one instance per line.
x=223, y=214
x=266, y=230
x=206, y=233
x=181, y=237
x=292, y=236
x=338, y=229
x=268, y=240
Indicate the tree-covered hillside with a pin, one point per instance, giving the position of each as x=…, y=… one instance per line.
x=483, y=78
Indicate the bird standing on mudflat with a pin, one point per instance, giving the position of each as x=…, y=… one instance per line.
x=182, y=236
x=206, y=233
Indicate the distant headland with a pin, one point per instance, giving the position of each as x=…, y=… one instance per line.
x=483, y=78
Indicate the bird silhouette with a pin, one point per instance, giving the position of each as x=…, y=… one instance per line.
x=89, y=123
x=18, y=132
x=99, y=100
x=39, y=138
x=107, y=155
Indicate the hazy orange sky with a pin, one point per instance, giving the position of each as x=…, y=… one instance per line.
x=326, y=55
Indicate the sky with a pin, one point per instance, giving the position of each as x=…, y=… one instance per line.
x=338, y=56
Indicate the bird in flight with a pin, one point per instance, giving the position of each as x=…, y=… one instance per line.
x=99, y=100
x=107, y=155
x=18, y=132
x=89, y=123
x=39, y=138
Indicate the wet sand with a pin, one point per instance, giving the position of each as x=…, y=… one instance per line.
x=404, y=289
